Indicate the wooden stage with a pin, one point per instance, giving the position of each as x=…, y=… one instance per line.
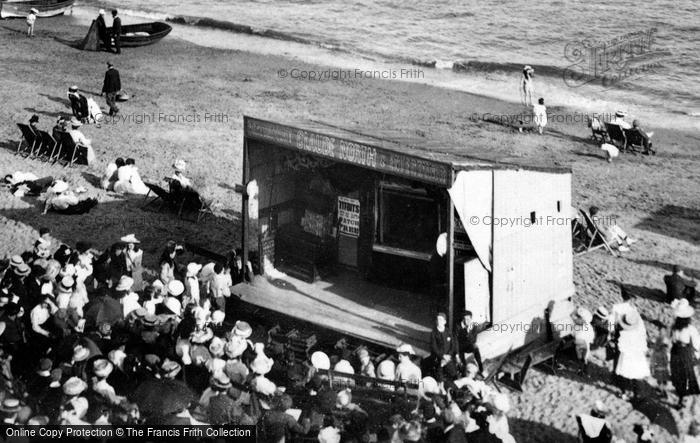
x=347, y=304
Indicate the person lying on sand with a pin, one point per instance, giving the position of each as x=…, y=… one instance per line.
x=26, y=183
x=64, y=201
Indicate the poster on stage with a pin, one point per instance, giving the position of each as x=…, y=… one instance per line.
x=349, y=216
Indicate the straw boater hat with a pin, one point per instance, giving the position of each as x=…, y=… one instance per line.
x=620, y=114
x=10, y=406
x=179, y=165
x=630, y=320
x=601, y=312
x=103, y=368
x=193, y=269
x=125, y=283
x=23, y=270
x=149, y=320
x=16, y=260
x=74, y=386
x=131, y=238
x=73, y=88
x=242, y=329
x=176, y=288
x=34, y=10
x=139, y=312
x=405, y=349
x=170, y=368
x=220, y=381
x=235, y=347
x=320, y=360
x=80, y=353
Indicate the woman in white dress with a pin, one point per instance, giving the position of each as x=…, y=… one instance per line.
x=134, y=256
x=632, y=364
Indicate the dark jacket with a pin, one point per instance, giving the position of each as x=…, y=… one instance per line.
x=112, y=81
x=116, y=27
x=676, y=286
x=466, y=338
x=442, y=343
x=101, y=28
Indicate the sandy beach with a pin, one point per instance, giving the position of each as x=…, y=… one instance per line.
x=188, y=102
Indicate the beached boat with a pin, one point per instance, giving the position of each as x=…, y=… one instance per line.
x=144, y=34
x=46, y=8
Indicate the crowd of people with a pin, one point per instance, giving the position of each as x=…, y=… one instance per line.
x=86, y=340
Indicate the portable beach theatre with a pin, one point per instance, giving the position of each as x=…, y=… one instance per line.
x=372, y=235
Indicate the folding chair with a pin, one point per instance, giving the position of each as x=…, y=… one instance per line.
x=594, y=234
x=28, y=136
x=79, y=106
x=616, y=135
x=69, y=149
x=599, y=134
x=635, y=142
x=206, y=208
x=47, y=146
x=161, y=196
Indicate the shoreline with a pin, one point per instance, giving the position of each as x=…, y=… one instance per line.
x=494, y=83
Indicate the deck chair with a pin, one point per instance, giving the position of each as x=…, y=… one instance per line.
x=29, y=137
x=158, y=195
x=599, y=134
x=635, y=142
x=517, y=382
x=596, y=239
x=616, y=135
x=69, y=150
x=47, y=147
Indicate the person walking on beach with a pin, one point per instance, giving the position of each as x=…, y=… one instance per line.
x=116, y=31
x=111, y=86
x=526, y=89
x=31, y=18
x=540, y=115
x=685, y=349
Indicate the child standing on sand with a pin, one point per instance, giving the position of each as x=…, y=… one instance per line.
x=31, y=18
x=540, y=115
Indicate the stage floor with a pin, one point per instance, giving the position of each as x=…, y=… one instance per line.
x=348, y=304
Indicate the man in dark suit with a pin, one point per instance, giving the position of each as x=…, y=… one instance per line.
x=102, y=34
x=466, y=335
x=116, y=31
x=679, y=286
x=111, y=86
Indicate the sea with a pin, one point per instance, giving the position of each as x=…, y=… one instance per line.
x=595, y=56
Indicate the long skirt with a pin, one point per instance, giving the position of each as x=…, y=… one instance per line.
x=683, y=372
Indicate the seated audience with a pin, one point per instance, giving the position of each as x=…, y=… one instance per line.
x=109, y=177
